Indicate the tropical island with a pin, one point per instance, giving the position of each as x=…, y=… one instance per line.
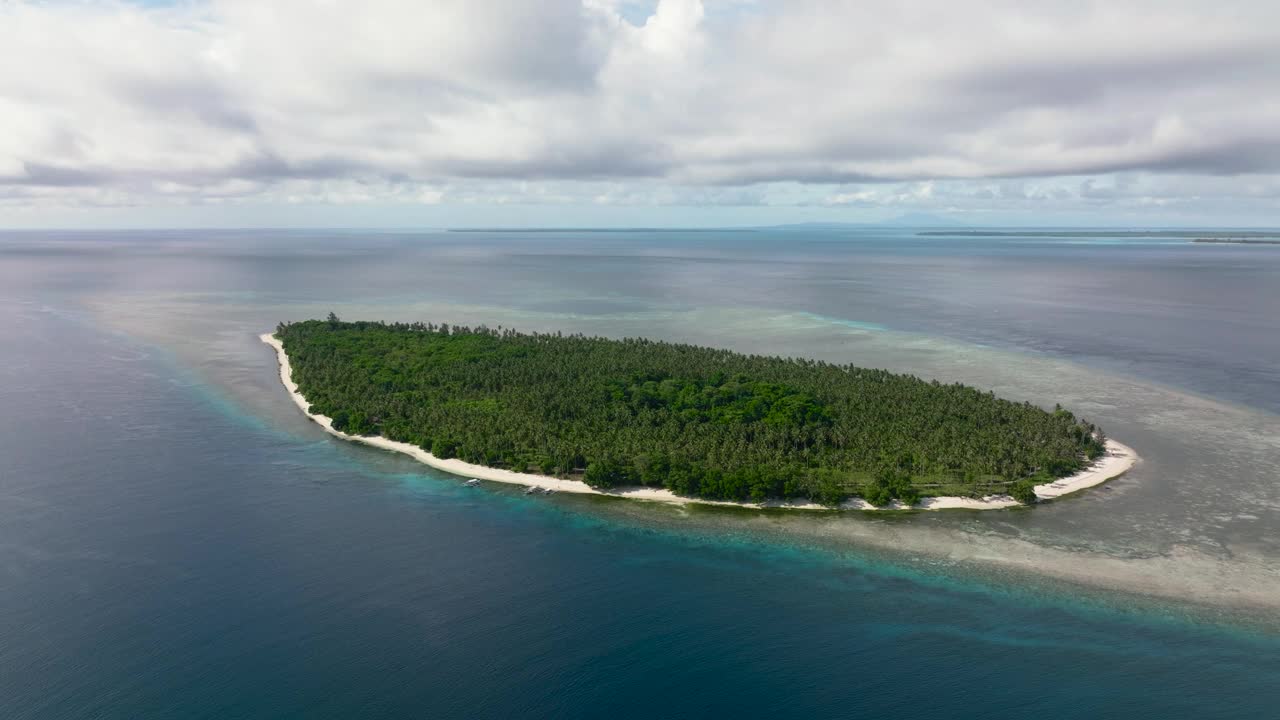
x=660, y=420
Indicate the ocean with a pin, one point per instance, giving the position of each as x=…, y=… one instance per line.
x=177, y=540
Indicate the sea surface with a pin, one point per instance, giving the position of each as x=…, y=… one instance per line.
x=178, y=541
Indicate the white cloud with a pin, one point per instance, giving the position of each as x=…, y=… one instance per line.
x=866, y=103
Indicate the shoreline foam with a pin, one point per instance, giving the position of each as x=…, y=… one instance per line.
x=1118, y=459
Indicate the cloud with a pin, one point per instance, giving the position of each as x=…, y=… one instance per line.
x=714, y=102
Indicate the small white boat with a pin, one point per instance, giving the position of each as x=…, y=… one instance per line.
x=532, y=490
x=473, y=482
x=548, y=491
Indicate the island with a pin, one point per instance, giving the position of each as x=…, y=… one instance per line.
x=1258, y=237
x=682, y=423
x=1237, y=241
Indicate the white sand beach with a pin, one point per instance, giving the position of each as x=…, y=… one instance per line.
x=1119, y=459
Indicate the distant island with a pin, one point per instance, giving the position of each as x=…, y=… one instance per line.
x=1239, y=237
x=1237, y=241
x=667, y=421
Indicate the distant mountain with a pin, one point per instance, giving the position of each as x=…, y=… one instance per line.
x=910, y=220
x=922, y=220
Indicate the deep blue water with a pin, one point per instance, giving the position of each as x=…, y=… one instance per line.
x=175, y=541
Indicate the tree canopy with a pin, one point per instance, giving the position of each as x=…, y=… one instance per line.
x=699, y=421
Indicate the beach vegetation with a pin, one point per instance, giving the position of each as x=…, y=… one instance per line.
x=1024, y=491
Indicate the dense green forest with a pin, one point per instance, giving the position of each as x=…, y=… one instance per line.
x=699, y=421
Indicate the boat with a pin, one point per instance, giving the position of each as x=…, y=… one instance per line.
x=548, y=491
x=532, y=490
x=473, y=482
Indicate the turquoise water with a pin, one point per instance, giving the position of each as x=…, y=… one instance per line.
x=176, y=541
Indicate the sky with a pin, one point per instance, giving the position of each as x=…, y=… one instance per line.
x=404, y=113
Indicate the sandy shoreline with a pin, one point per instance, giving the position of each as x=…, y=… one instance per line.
x=1119, y=459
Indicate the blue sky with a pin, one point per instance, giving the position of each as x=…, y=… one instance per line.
x=608, y=112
